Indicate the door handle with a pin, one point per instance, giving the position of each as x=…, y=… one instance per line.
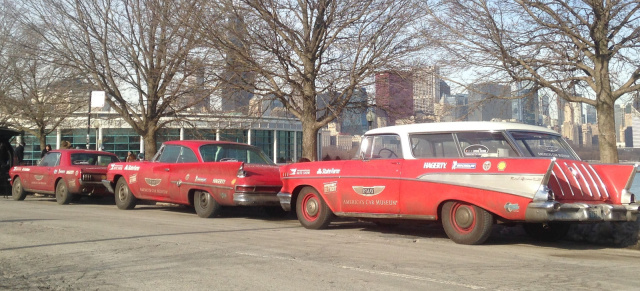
x=166, y=169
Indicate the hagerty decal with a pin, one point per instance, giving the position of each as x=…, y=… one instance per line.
x=435, y=165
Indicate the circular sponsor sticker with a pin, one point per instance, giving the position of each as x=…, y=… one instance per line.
x=486, y=166
x=502, y=166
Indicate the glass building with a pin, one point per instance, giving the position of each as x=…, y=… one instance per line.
x=280, y=138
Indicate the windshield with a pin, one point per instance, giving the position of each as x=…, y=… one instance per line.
x=535, y=144
x=93, y=159
x=233, y=153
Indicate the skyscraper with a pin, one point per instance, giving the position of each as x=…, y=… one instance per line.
x=489, y=101
x=394, y=95
x=426, y=90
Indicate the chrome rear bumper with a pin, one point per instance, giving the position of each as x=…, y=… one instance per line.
x=255, y=199
x=285, y=200
x=580, y=212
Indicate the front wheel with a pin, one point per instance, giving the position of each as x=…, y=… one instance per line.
x=548, y=232
x=312, y=211
x=123, y=196
x=205, y=205
x=62, y=193
x=17, y=191
x=466, y=223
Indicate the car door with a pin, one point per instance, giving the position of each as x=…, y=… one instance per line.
x=371, y=184
x=42, y=176
x=154, y=178
x=187, y=164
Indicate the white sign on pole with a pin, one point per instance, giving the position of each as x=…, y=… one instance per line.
x=97, y=98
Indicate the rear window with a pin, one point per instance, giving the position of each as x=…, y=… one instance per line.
x=93, y=159
x=535, y=144
x=485, y=144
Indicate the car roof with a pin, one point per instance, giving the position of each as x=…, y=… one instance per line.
x=201, y=142
x=81, y=151
x=459, y=126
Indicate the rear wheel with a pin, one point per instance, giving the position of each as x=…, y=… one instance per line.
x=312, y=211
x=466, y=223
x=123, y=196
x=205, y=205
x=17, y=191
x=62, y=193
x=549, y=232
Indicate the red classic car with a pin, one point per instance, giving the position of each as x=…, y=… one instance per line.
x=63, y=173
x=202, y=174
x=468, y=175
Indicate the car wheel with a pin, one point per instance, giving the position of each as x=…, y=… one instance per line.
x=123, y=196
x=17, y=191
x=312, y=211
x=466, y=223
x=548, y=232
x=62, y=193
x=275, y=211
x=205, y=205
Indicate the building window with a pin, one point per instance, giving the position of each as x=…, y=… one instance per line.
x=264, y=140
x=120, y=141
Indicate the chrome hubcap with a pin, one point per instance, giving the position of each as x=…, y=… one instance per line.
x=464, y=217
x=312, y=207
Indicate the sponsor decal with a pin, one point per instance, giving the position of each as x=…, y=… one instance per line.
x=464, y=166
x=55, y=171
x=502, y=165
x=17, y=168
x=115, y=167
x=368, y=191
x=131, y=168
x=328, y=171
x=510, y=207
x=330, y=187
x=76, y=173
x=295, y=171
x=552, y=149
x=523, y=178
x=153, y=182
x=38, y=177
x=475, y=150
x=223, y=195
x=435, y=165
x=70, y=172
x=187, y=177
x=486, y=166
x=156, y=191
x=218, y=181
x=26, y=169
x=72, y=183
x=133, y=178
x=370, y=202
x=200, y=179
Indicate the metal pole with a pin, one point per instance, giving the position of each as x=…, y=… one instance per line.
x=89, y=121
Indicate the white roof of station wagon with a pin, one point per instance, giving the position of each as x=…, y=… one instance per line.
x=458, y=126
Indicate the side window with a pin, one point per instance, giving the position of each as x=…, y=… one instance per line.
x=187, y=156
x=169, y=154
x=386, y=147
x=434, y=146
x=365, y=147
x=485, y=144
x=50, y=160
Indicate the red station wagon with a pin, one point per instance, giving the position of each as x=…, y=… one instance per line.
x=63, y=173
x=202, y=174
x=468, y=175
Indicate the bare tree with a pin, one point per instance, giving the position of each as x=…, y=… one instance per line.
x=583, y=51
x=313, y=55
x=37, y=94
x=143, y=53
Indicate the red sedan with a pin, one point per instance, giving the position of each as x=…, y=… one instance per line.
x=63, y=173
x=202, y=174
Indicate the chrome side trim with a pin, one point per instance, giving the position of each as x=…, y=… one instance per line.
x=575, y=180
x=285, y=200
x=606, y=191
x=179, y=183
x=585, y=181
x=566, y=179
x=593, y=182
x=385, y=215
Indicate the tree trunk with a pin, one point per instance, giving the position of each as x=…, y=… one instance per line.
x=150, y=147
x=309, y=138
x=607, y=131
